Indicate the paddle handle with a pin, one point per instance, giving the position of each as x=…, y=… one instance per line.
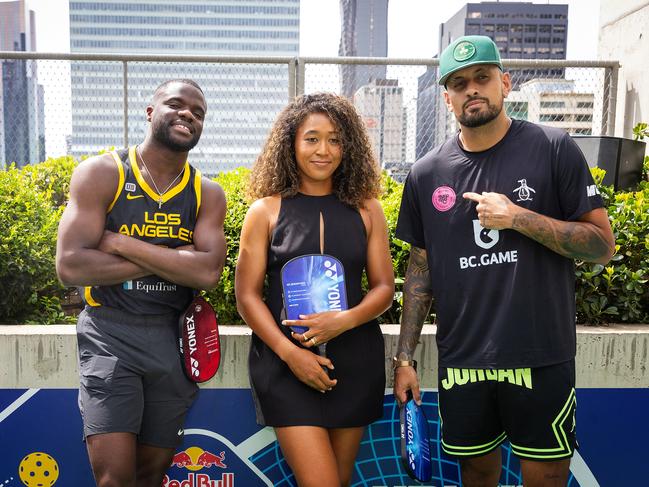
x=322, y=351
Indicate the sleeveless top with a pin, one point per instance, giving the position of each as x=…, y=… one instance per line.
x=358, y=354
x=137, y=212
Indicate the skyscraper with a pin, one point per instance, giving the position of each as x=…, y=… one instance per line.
x=243, y=99
x=522, y=30
x=22, y=118
x=363, y=33
x=428, y=98
x=380, y=103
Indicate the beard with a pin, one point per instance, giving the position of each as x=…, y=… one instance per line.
x=161, y=133
x=481, y=117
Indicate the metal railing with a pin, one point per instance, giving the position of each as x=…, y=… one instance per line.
x=79, y=104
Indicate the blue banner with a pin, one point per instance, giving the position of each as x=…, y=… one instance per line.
x=223, y=447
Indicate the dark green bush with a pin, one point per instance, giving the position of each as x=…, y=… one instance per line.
x=222, y=297
x=400, y=250
x=641, y=132
x=30, y=208
x=29, y=215
x=53, y=175
x=617, y=292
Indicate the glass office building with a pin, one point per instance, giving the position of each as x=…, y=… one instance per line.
x=522, y=30
x=243, y=98
x=364, y=33
x=22, y=116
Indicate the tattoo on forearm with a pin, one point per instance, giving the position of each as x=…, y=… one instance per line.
x=577, y=240
x=417, y=297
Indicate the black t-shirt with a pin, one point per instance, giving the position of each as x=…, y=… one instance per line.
x=502, y=299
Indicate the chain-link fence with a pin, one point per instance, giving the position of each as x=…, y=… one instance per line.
x=404, y=108
x=80, y=104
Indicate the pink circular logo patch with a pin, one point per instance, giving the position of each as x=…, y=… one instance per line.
x=444, y=198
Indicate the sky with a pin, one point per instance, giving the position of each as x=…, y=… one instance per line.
x=413, y=26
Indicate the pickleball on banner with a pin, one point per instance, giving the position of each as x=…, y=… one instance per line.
x=415, y=441
x=313, y=283
x=199, y=344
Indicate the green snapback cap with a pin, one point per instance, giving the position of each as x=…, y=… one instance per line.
x=467, y=51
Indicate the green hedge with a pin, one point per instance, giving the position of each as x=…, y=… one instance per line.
x=32, y=198
x=31, y=202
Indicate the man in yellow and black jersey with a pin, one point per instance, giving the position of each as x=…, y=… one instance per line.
x=141, y=232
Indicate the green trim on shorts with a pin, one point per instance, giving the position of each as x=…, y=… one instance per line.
x=564, y=449
x=464, y=451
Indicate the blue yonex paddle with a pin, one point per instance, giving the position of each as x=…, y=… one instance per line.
x=313, y=283
x=415, y=441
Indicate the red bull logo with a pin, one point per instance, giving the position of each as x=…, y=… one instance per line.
x=194, y=459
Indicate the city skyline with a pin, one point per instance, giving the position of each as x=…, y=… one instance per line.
x=413, y=26
x=244, y=98
x=318, y=78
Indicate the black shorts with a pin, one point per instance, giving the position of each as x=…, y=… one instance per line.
x=533, y=408
x=131, y=376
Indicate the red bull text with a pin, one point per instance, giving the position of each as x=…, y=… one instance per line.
x=194, y=459
x=200, y=480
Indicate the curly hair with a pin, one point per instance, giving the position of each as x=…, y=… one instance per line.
x=275, y=171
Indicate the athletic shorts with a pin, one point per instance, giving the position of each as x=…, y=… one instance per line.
x=533, y=408
x=131, y=378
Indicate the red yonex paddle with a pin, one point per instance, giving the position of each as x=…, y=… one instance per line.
x=200, y=347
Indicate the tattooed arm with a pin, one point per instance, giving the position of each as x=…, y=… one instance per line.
x=589, y=239
x=417, y=297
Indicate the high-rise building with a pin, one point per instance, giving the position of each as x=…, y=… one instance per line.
x=243, y=99
x=522, y=30
x=428, y=101
x=380, y=103
x=553, y=102
x=363, y=33
x=22, y=118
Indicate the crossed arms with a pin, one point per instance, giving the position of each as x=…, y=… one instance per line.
x=87, y=255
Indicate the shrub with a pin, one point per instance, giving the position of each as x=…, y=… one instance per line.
x=400, y=250
x=53, y=175
x=29, y=215
x=30, y=208
x=617, y=292
x=222, y=297
x=640, y=131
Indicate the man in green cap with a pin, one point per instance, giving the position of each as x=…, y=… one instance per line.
x=495, y=216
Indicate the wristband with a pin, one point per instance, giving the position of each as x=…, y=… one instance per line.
x=396, y=363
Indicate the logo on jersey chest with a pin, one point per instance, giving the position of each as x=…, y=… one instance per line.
x=484, y=237
x=524, y=192
x=444, y=198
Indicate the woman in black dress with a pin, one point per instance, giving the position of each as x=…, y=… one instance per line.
x=316, y=184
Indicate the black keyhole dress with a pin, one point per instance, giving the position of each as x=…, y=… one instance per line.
x=358, y=354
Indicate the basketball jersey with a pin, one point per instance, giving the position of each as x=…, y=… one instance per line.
x=168, y=220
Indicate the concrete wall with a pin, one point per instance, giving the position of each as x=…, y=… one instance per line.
x=33, y=356
x=624, y=36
